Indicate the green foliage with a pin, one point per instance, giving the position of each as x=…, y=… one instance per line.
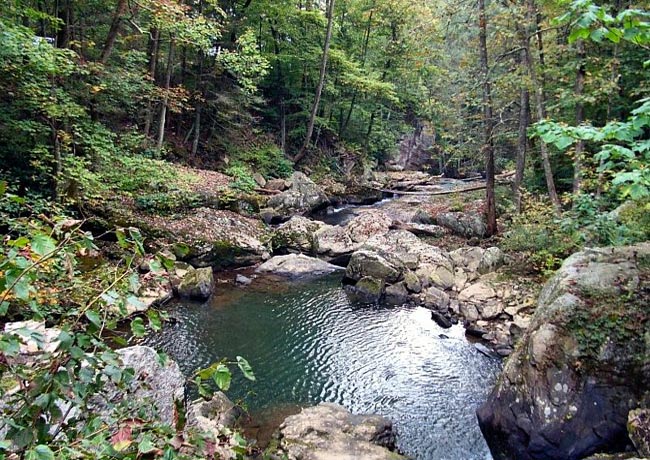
x=624, y=153
x=546, y=239
x=266, y=159
x=242, y=178
x=55, y=415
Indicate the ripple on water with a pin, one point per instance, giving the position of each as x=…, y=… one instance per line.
x=308, y=344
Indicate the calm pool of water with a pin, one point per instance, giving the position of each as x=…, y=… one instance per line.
x=307, y=343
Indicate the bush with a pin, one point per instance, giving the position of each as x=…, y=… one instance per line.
x=268, y=160
x=242, y=178
x=537, y=233
x=546, y=239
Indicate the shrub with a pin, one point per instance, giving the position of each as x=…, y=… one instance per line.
x=242, y=178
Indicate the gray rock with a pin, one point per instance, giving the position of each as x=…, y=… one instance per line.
x=298, y=233
x=159, y=389
x=367, y=290
x=297, y=266
x=259, y=179
x=412, y=282
x=336, y=241
x=197, y=284
x=213, y=415
x=369, y=263
x=277, y=184
x=436, y=298
x=397, y=294
x=638, y=428
x=468, y=225
x=567, y=388
x=329, y=432
x=441, y=319
x=243, y=280
x=303, y=196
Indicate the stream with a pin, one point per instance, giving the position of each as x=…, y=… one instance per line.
x=307, y=343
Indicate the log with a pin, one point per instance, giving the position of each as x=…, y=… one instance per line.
x=267, y=191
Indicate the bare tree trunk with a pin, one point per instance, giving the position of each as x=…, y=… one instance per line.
x=540, y=99
x=488, y=124
x=163, y=107
x=153, y=60
x=580, y=116
x=120, y=9
x=321, y=83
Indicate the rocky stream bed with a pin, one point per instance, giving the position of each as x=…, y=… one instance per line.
x=575, y=379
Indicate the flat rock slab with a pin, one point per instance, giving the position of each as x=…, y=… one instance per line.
x=296, y=266
x=330, y=432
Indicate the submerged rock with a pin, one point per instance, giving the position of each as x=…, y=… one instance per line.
x=297, y=266
x=197, y=284
x=329, y=432
x=582, y=365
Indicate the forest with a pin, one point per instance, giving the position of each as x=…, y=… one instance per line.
x=132, y=130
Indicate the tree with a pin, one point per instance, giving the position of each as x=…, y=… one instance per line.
x=321, y=82
x=488, y=145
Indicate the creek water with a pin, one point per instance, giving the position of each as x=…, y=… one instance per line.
x=307, y=343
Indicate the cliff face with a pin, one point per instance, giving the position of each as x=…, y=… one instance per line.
x=417, y=149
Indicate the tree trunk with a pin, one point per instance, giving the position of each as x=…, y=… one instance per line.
x=580, y=116
x=64, y=33
x=540, y=99
x=163, y=107
x=321, y=83
x=364, y=53
x=113, y=32
x=524, y=121
x=154, y=40
x=488, y=124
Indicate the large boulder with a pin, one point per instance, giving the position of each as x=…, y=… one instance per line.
x=297, y=266
x=158, y=387
x=335, y=241
x=197, y=284
x=374, y=264
x=466, y=224
x=298, y=233
x=581, y=366
x=303, y=196
x=330, y=432
x=366, y=290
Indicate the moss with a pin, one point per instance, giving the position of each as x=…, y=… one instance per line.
x=623, y=320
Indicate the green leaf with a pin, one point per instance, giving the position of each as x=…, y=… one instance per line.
x=137, y=327
x=40, y=452
x=146, y=445
x=246, y=368
x=94, y=318
x=21, y=289
x=4, y=307
x=43, y=244
x=154, y=320
x=222, y=377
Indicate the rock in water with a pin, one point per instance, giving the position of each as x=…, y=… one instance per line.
x=297, y=266
x=367, y=290
x=197, y=284
x=329, y=432
x=581, y=366
x=304, y=196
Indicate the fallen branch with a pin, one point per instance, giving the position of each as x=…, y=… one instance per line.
x=267, y=191
x=444, y=192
